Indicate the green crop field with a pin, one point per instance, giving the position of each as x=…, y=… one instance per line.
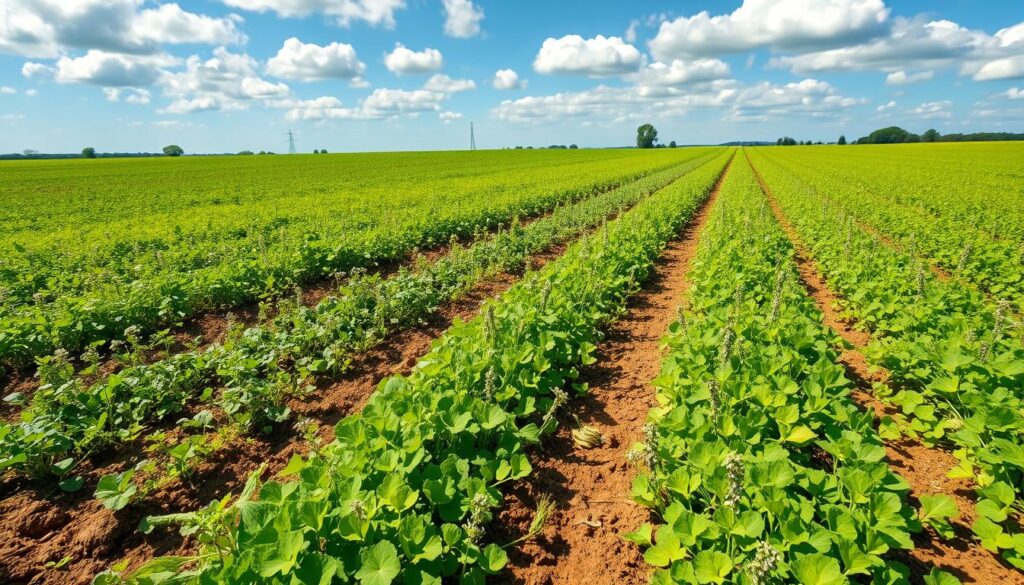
x=92, y=248
x=726, y=365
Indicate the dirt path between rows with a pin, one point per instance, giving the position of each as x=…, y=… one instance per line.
x=582, y=542
x=923, y=467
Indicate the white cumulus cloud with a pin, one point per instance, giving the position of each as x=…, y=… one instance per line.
x=1004, y=68
x=507, y=79
x=441, y=83
x=887, y=106
x=227, y=81
x=680, y=72
x=37, y=70
x=932, y=110
x=112, y=69
x=597, y=57
x=49, y=28
x=462, y=18
x=309, y=62
x=128, y=95
x=779, y=24
x=901, y=77
x=381, y=104
x=921, y=44
x=344, y=12
x=403, y=61
x=613, y=105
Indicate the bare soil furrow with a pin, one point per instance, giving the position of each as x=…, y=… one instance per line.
x=582, y=542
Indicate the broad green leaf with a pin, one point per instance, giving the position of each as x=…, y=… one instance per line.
x=936, y=507
x=666, y=548
x=493, y=559
x=116, y=490
x=817, y=569
x=712, y=566
x=937, y=577
x=379, y=564
x=800, y=434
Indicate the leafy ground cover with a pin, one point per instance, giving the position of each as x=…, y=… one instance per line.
x=756, y=465
x=992, y=260
x=760, y=467
x=408, y=486
x=158, y=241
x=955, y=361
x=252, y=374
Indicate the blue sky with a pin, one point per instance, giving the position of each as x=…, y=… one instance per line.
x=350, y=75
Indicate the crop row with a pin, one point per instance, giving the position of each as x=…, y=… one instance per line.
x=974, y=185
x=76, y=295
x=759, y=465
x=407, y=488
x=956, y=364
x=995, y=265
x=256, y=369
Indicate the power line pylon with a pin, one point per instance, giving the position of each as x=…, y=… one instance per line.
x=472, y=137
x=291, y=142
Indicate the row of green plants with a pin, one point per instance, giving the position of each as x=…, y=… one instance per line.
x=73, y=296
x=955, y=362
x=257, y=369
x=994, y=264
x=406, y=490
x=760, y=467
x=973, y=185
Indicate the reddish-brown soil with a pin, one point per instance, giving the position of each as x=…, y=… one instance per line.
x=582, y=542
x=923, y=467
x=45, y=526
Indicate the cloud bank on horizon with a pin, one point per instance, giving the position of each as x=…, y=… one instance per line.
x=379, y=73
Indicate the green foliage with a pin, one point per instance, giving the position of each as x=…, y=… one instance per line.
x=150, y=243
x=115, y=491
x=406, y=491
x=957, y=371
x=759, y=465
x=889, y=135
x=173, y=150
x=952, y=209
x=260, y=367
x=646, y=136
x=88, y=152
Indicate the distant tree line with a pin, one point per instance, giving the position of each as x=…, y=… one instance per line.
x=552, y=147
x=787, y=141
x=897, y=135
x=66, y=155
